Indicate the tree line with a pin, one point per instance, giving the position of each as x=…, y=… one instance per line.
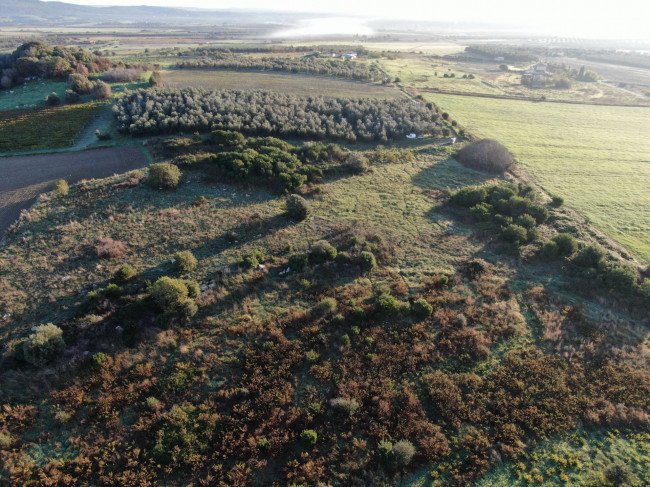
x=311, y=64
x=40, y=60
x=165, y=111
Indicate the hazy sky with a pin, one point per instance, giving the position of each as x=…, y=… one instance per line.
x=596, y=18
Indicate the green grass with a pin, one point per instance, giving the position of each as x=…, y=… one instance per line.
x=45, y=128
x=32, y=94
x=421, y=73
x=596, y=158
x=393, y=199
x=578, y=458
x=285, y=83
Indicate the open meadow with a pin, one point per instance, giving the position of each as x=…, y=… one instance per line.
x=430, y=73
x=596, y=158
x=297, y=84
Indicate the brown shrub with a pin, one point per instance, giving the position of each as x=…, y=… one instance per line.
x=486, y=155
x=107, y=248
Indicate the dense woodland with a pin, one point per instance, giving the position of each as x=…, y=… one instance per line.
x=40, y=60
x=159, y=111
x=311, y=64
x=513, y=54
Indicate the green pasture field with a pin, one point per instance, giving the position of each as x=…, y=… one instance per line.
x=46, y=128
x=33, y=93
x=285, y=83
x=420, y=73
x=596, y=158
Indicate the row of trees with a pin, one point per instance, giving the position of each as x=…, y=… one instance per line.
x=38, y=59
x=161, y=111
x=303, y=64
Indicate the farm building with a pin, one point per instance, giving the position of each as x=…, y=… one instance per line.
x=349, y=55
x=534, y=79
x=499, y=58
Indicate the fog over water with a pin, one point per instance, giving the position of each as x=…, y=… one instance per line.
x=325, y=26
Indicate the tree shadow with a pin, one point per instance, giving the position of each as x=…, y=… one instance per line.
x=449, y=174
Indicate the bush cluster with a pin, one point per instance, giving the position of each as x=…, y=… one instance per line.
x=511, y=206
x=36, y=59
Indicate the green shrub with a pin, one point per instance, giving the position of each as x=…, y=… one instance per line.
x=557, y=201
x=322, y=251
x=253, y=259
x=482, y=212
x=486, y=155
x=312, y=356
x=227, y=138
x=180, y=437
x=62, y=188
x=263, y=443
x=385, y=451
x=296, y=207
x=163, y=175
x=344, y=405
x=124, y=274
x=550, y=250
x=620, y=277
x=526, y=221
x=309, y=437
x=173, y=296
x=368, y=261
x=358, y=313
x=327, y=305
x=357, y=163
x=468, y=197
x=102, y=91
x=566, y=244
x=43, y=346
x=99, y=358
x=387, y=305
x=515, y=234
x=193, y=289
x=298, y=262
x=155, y=79
x=72, y=96
x=53, y=99
x=346, y=339
x=185, y=261
x=589, y=257
x=403, y=452
x=5, y=440
x=421, y=308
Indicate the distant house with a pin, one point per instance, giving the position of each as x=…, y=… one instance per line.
x=411, y=136
x=349, y=55
x=541, y=67
x=499, y=58
x=534, y=79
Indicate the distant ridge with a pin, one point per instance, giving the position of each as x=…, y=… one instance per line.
x=34, y=12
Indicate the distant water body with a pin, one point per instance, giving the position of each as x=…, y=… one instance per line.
x=326, y=26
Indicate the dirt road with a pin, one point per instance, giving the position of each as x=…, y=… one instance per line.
x=23, y=178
